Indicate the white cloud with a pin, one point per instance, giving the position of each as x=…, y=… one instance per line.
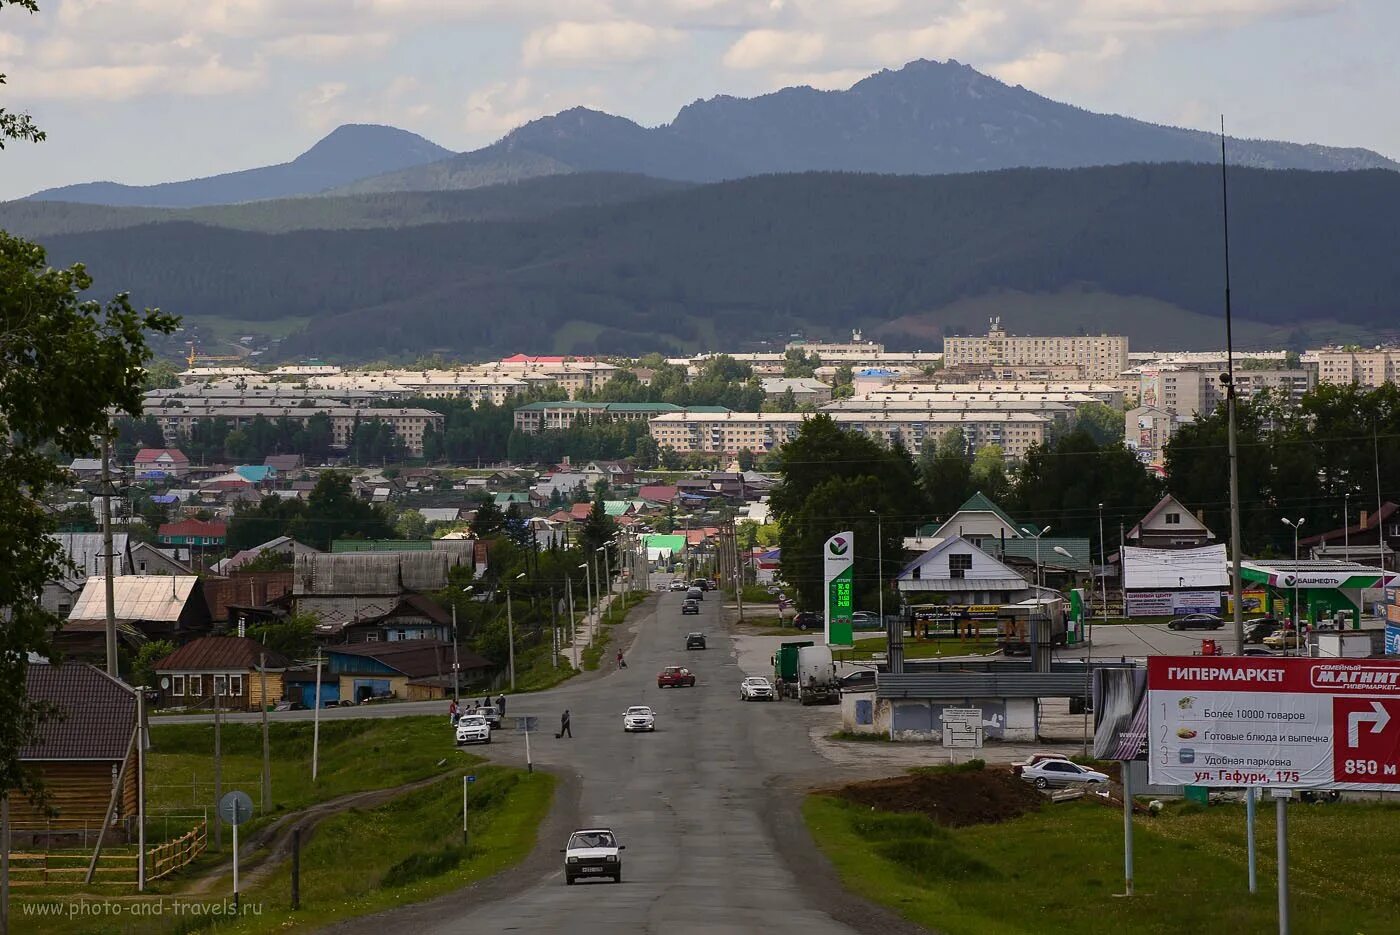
x=10, y=45
x=329, y=47
x=837, y=80
x=968, y=33
x=772, y=48
x=616, y=42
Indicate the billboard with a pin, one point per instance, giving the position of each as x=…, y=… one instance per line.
x=838, y=560
x=1288, y=722
x=1166, y=603
x=1120, y=714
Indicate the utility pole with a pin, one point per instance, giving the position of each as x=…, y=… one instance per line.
x=316, y=719
x=1103, y=568
x=267, y=749
x=218, y=770
x=573, y=626
x=456, y=665
x=141, y=789
x=4, y=863
x=107, y=555
x=510, y=634
x=1231, y=404
x=553, y=630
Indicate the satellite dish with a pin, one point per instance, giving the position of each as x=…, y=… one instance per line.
x=165, y=682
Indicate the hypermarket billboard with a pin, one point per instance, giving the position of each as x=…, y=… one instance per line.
x=1285, y=722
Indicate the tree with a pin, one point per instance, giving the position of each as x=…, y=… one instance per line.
x=293, y=637
x=646, y=453
x=489, y=520
x=796, y=363
x=787, y=402
x=79, y=359
x=1062, y=485
x=334, y=512
x=598, y=529
x=143, y=666
x=411, y=525
x=989, y=473
x=1103, y=423
x=745, y=459
x=945, y=472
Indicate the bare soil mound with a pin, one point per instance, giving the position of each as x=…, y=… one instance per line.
x=951, y=799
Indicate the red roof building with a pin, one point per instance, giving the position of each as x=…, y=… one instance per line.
x=193, y=532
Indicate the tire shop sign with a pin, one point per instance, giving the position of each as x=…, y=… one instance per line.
x=1285, y=722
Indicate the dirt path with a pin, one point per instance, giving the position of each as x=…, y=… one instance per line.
x=271, y=845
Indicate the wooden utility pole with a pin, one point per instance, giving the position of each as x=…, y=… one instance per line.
x=267, y=749
x=218, y=771
x=107, y=553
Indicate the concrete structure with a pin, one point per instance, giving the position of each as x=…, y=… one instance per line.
x=1146, y=431
x=1370, y=367
x=1101, y=357
x=533, y=418
x=891, y=711
x=1189, y=391
x=805, y=390
x=762, y=431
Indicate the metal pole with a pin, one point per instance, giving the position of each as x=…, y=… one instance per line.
x=1346, y=526
x=1103, y=569
x=1127, y=828
x=235, y=867
x=456, y=663
x=1281, y=810
x=4, y=864
x=316, y=720
x=510, y=638
x=267, y=747
x=218, y=769
x=296, y=868
x=573, y=626
x=529, y=763
x=107, y=570
x=1249, y=837
x=141, y=789
x=465, y=834
x=1236, y=582
x=880, y=563
x=553, y=629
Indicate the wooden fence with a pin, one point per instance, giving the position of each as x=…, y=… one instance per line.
x=172, y=855
x=116, y=867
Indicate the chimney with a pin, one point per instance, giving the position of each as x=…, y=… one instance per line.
x=1362, y=524
x=1201, y=516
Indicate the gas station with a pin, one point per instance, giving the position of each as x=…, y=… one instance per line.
x=1322, y=588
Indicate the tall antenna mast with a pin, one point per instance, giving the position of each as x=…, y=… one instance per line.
x=1236, y=584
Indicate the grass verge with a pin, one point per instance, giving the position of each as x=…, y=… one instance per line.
x=535, y=670
x=1057, y=870
x=616, y=613
x=922, y=649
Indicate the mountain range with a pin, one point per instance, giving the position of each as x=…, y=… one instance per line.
x=728, y=264
x=926, y=118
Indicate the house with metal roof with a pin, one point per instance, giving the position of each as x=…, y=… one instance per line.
x=957, y=572
x=979, y=520
x=193, y=533
x=242, y=673
x=1169, y=525
x=418, y=670
x=158, y=607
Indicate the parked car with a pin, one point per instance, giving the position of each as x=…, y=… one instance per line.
x=703, y=584
x=694, y=594
x=1036, y=758
x=1285, y=638
x=1061, y=773
x=593, y=852
x=865, y=620
x=1196, y=622
x=859, y=680
x=695, y=641
x=1256, y=630
x=473, y=728
x=289, y=706
x=756, y=688
x=690, y=607
x=809, y=620
x=1257, y=651
x=678, y=585
x=675, y=677
x=491, y=713
x=638, y=717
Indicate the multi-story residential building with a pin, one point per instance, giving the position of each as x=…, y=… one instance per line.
x=1191, y=391
x=1098, y=358
x=1057, y=407
x=1107, y=392
x=1370, y=367
x=177, y=416
x=1146, y=431
x=533, y=418
x=731, y=432
x=805, y=390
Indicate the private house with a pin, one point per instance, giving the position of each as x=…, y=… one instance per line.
x=89, y=468
x=284, y=464
x=146, y=559
x=978, y=521
x=161, y=462
x=233, y=668
x=83, y=552
x=956, y=572
x=347, y=588
x=193, y=533
x=520, y=499
x=283, y=546
x=78, y=755
x=1373, y=539
x=417, y=670
x=259, y=475
x=245, y=597
x=658, y=493
x=440, y=514
x=567, y=484
x=157, y=607
x=1169, y=525
x=414, y=617
x=616, y=473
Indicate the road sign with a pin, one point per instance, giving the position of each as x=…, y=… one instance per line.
x=235, y=808
x=471, y=779
x=838, y=560
x=1287, y=722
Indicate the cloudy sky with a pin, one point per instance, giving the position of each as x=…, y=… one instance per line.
x=143, y=91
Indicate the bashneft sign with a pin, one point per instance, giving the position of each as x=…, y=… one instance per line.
x=1280, y=722
x=838, y=561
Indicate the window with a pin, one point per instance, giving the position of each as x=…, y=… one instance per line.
x=1173, y=519
x=959, y=564
x=235, y=684
x=177, y=685
x=196, y=685
x=221, y=685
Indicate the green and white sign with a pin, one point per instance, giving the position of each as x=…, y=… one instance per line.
x=838, y=559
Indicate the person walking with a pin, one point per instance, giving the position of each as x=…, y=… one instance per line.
x=621, y=662
x=501, y=703
x=452, y=712
x=564, y=726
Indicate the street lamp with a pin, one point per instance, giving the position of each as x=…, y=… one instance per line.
x=880, y=561
x=1297, y=618
x=588, y=596
x=607, y=577
x=456, y=665
x=1036, y=536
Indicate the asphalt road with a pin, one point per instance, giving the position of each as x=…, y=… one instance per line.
x=706, y=851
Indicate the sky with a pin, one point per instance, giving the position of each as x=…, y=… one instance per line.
x=143, y=91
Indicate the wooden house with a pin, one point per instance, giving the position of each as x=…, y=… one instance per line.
x=226, y=666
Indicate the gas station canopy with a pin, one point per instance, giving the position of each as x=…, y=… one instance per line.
x=1319, y=585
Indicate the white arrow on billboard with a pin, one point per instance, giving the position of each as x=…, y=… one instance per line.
x=1378, y=716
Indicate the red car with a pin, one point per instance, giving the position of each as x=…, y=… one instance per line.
x=675, y=677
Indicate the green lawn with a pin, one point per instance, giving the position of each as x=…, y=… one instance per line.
x=1058, y=870
x=922, y=649
x=535, y=671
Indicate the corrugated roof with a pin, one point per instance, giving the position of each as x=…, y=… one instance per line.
x=155, y=598
x=1078, y=549
x=211, y=653
x=375, y=572
x=84, y=550
x=97, y=714
x=413, y=658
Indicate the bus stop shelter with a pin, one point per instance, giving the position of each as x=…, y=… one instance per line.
x=1320, y=588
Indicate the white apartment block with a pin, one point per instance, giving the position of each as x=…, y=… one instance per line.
x=1110, y=393
x=178, y=416
x=1191, y=391
x=1097, y=358
x=1057, y=407
x=729, y=433
x=1371, y=367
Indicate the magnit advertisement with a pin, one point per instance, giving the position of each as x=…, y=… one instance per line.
x=1284, y=722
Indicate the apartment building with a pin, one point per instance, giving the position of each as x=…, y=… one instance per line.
x=1146, y=431
x=731, y=432
x=1101, y=357
x=1191, y=391
x=534, y=418
x=178, y=416
x=1108, y=392
x=1371, y=367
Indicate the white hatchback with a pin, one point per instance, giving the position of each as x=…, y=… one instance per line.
x=638, y=718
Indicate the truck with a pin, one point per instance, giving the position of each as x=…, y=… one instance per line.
x=816, y=676
x=1014, y=623
x=785, y=667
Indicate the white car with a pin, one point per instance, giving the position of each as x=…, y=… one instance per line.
x=473, y=728
x=593, y=852
x=638, y=717
x=756, y=688
x=1061, y=773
